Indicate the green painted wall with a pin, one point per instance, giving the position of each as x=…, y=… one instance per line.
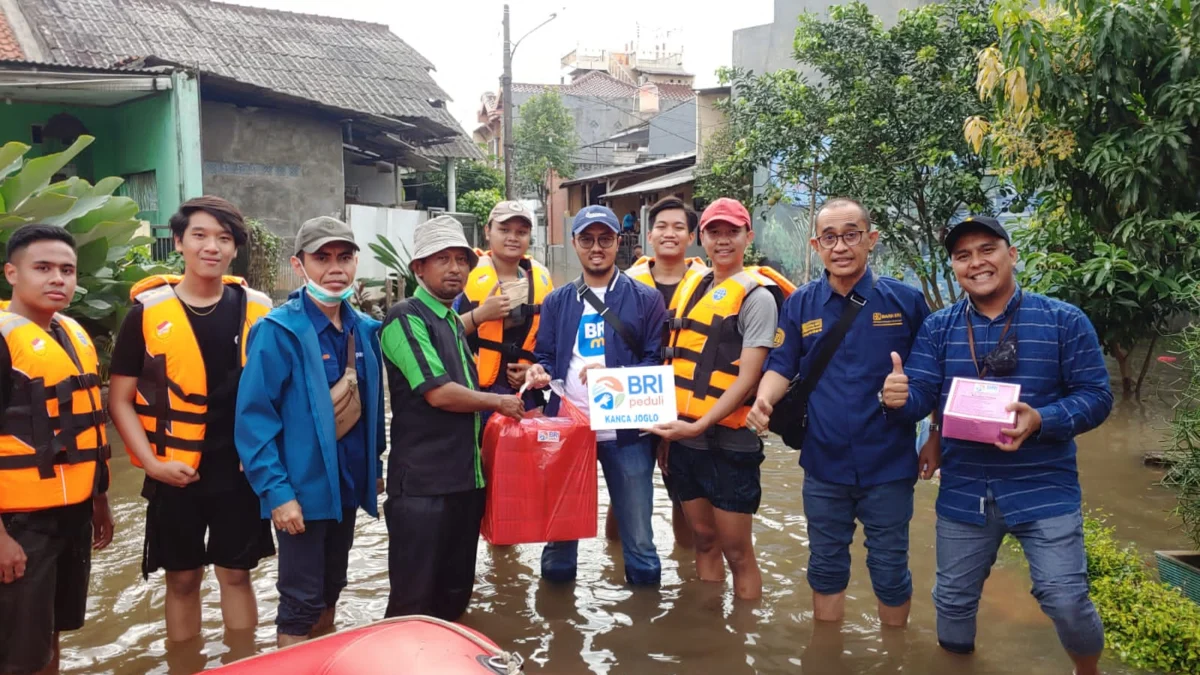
x=139, y=136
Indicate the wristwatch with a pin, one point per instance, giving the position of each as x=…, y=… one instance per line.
x=934, y=426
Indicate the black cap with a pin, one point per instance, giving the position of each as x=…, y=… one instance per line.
x=975, y=224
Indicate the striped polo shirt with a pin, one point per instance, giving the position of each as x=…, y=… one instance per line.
x=1062, y=375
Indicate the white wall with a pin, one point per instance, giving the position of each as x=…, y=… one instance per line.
x=368, y=222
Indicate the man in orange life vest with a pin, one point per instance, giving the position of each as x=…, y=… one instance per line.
x=175, y=372
x=672, y=231
x=502, y=335
x=723, y=327
x=53, y=454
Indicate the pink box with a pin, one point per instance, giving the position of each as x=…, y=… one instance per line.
x=975, y=410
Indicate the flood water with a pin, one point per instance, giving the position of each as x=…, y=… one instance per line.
x=598, y=625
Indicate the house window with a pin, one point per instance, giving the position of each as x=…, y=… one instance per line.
x=142, y=188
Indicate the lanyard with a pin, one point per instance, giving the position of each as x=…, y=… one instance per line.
x=971, y=335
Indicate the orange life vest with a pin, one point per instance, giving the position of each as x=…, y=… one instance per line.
x=705, y=346
x=642, y=270
x=54, y=425
x=172, y=392
x=488, y=340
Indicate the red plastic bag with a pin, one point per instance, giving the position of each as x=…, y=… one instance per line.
x=541, y=478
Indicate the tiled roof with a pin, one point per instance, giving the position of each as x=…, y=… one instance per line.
x=599, y=84
x=676, y=92
x=9, y=48
x=348, y=64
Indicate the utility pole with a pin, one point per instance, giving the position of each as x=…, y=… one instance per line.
x=506, y=110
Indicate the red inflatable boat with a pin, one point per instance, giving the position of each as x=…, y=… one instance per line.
x=411, y=645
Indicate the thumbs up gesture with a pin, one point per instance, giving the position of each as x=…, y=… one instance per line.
x=895, y=387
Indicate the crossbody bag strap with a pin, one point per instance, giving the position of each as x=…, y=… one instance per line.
x=830, y=344
x=609, y=317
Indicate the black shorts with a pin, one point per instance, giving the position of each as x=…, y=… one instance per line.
x=52, y=596
x=729, y=480
x=177, y=520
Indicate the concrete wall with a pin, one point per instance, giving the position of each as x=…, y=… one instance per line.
x=673, y=132
x=374, y=186
x=708, y=120
x=148, y=134
x=279, y=167
x=768, y=48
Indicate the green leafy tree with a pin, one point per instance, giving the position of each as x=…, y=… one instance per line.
x=880, y=120
x=545, y=142
x=718, y=174
x=1095, y=115
x=104, y=227
x=480, y=203
x=429, y=187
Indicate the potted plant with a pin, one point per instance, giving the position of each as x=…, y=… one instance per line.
x=1182, y=568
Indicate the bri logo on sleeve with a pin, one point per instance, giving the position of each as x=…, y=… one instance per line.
x=591, y=336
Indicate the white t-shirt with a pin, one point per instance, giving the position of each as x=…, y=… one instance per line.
x=588, y=349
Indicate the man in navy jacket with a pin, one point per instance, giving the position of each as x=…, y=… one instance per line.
x=573, y=338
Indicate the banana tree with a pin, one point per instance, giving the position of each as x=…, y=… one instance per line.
x=104, y=227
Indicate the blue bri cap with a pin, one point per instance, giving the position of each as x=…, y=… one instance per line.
x=595, y=214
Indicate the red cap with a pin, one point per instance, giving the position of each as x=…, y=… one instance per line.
x=725, y=210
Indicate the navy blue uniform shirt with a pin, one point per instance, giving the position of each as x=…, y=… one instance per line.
x=850, y=441
x=352, y=448
x=1062, y=375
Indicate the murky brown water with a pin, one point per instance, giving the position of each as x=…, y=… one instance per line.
x=599, y=626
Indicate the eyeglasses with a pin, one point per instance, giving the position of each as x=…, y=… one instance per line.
x=588, y=241
x=852, y=238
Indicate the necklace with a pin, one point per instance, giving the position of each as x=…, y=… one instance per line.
x=193, y=310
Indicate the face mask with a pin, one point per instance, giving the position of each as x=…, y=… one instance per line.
x=324, y=296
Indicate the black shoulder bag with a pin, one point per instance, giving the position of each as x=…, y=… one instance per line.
x=790, y=417
x=609, y=317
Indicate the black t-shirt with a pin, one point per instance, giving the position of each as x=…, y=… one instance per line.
x=6, y=388
x=667, y=291
x=218, y=333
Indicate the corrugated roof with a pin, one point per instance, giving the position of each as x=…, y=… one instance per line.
x=681, y=177
x=609, y=171
x=348, y=64
x=9, y=47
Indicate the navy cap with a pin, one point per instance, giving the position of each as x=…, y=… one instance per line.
x=975, y=224
x=595, y=214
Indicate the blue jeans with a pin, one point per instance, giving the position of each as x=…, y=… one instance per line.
x=884, y=510
x=1057, y=565
x=629, y=475
x=312, y=571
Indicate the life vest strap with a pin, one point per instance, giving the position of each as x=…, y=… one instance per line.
x=12, y=462
x=161, y=441
x=172, y=415
x=21, y=422
x=512, y=351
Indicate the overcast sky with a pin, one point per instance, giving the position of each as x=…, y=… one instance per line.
x=463, y=37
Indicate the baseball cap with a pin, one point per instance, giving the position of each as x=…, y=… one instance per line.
x=317, y=232
x=595, y=214
x=725, y=210
x=975, y=224
x=509, y=209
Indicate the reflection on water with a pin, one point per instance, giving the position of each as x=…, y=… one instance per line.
x=598, y=625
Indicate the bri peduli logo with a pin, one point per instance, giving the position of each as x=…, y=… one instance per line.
x=608, y=393
x=547, y=436
x=719, y=294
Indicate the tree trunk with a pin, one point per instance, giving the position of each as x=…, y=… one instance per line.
x=1122, y=357
x=1145, y=366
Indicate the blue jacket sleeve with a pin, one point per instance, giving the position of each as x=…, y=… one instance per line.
x=926, y=369
x=545, y=344
x=785, y=359
x=258, y=421
x=1089, y=397
x=655, y=315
